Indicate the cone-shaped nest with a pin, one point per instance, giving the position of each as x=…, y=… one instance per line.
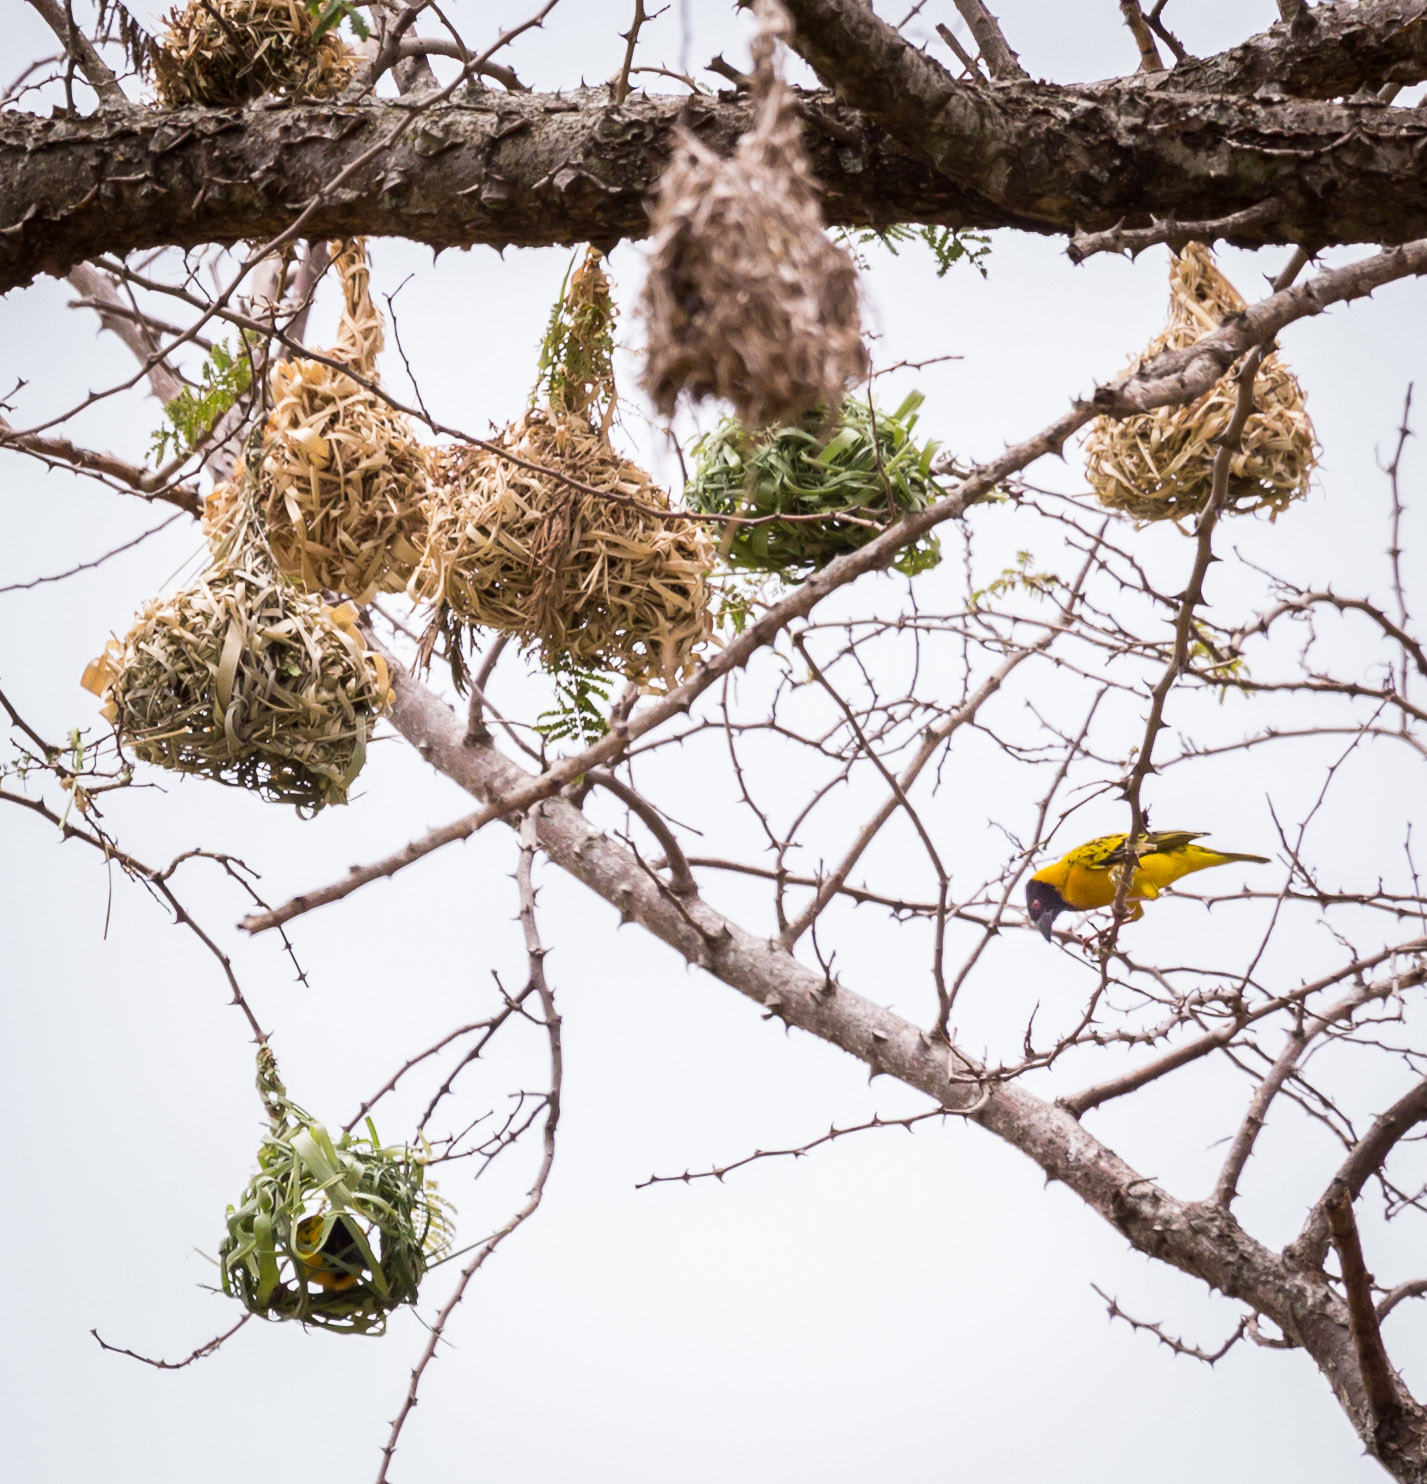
x=1160, y=465
x=859, y=477
x=330, y=1232
x=582, y=576
x=221, y=53
x=746, y=298
x=342, y=481
x=243, y=679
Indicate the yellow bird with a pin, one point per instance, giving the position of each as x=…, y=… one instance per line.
x=338, y=1263
x=1089, y=876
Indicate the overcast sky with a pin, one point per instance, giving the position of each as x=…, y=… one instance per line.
x=894, y=1306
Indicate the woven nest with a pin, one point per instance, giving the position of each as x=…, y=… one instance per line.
x=245, y=680
x=1160, y=465
x=221, y=53
x=342, y=481
x=330, y=1232
x=746, y=298
x=587, y=579
x=860, y=479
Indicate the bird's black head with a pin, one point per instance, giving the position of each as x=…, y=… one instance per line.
x=1043, y=904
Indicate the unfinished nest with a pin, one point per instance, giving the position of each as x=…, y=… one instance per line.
x=746, y=298
x=593, y=580
x=587, y=579
x=1160, y=465
x=243, y=679
x=221, y=53
x=330, y=1232
x=342, y=481
x=855, y=482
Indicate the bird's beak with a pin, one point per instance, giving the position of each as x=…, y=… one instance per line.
x=1046, y=924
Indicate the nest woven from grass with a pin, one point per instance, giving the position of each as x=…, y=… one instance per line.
x=746, y=299
x=330, y=1232
x=342, y=480
x=243, y=679
x=859, y=479
x=583, y=577
x=221, y=53
x=1160, y=465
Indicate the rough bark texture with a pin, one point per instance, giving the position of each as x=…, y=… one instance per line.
x=505, y=169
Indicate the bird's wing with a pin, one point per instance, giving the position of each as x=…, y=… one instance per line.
x=1098, y=854
x=1154, y=842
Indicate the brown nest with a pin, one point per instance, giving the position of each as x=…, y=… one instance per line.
x=222, y=53
x=243, y=679
x=1160, y=465
x=587, y=579
x=342, y=482
x=746, y=298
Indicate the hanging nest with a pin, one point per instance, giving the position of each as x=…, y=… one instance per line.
x=859, y=480
x=243, y=679
x=332, y=1232
x=588, y=580
x=222, y=53
x=746, y=298
x=1160, y=465
x=592, y=580
x=342, y=481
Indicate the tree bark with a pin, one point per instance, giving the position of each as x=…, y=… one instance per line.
x=529, y=170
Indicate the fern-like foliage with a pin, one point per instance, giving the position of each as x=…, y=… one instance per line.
x=189, y=418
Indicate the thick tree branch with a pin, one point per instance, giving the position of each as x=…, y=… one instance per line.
x=1381, y=1387
x=1196, y=1238
x=535, y=169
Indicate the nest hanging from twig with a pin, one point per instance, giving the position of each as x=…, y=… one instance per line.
x=333, y=1232
x=584, y=577
x=222, y=53
x=342, y=480
x=243, y=679
x=858, y=479
x=746, y=298
x=1160, y=465
x=565, y=544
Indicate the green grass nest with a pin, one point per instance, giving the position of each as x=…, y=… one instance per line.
x=861, y=477
x=334, y=1233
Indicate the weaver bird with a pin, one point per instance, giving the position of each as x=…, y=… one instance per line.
x=1089, y=876
x=338, y=1263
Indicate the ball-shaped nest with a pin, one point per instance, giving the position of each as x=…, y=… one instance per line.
x=812, y=492
x=243, y=679
x=222, y=53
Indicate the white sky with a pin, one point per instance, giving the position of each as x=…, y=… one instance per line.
x=895, y=1305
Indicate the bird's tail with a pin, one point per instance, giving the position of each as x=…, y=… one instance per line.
x=1225, y=856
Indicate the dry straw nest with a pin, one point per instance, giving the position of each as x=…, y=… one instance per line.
x=342, y=481
x=603, y=583
x=243, y=679
x=333, y=1232
x=1160, y=465
x=221, y=53
x=746, y=298
x=553, y=537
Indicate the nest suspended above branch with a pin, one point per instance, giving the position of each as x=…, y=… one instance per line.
x=243, y=679
x=330, y=1232
x=746, y=299
x=1160, y=465
x=858, y=480
x=222, y=53
x=588, y=579
x=342, y=480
